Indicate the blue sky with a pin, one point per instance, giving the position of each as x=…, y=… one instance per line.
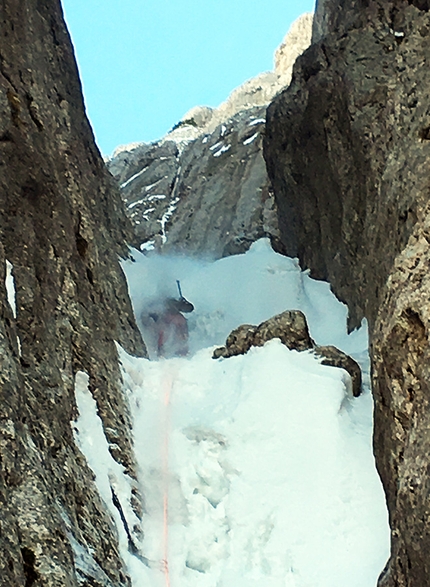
x=144, y=63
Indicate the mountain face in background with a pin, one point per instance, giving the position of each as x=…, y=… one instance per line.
x=347, y=150
x=203, y=189
x=62, y=229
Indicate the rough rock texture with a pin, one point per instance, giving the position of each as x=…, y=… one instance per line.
x=62, y=229
x=296, y=41
x=347, y=151
x=211, y=198
x=334, y=357
x=203, y=189
x=290, y=327
x=292, y=330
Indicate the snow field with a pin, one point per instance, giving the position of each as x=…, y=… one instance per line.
x=256, y=470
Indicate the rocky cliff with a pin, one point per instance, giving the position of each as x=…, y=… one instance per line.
x=61, y=230
x=347, y=149
x=204, y=187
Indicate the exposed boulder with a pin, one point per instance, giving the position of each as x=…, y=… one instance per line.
x=290, y=327
x=334, y=357
x=62, y=228
x=347, y=152
x=292, y=330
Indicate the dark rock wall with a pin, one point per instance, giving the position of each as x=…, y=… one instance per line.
x=62, y=228
x=347, y=150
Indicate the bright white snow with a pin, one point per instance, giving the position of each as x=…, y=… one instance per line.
x=133, y=177
x=156, y=197
x=214, y=147
x=256, y=470
x=10, y=287
x=251, y=139
x=257, y=121
x=222, y=150
x=166, y=217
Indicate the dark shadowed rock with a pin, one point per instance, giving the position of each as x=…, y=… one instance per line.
x=347, y=150
x=62, y=228
x=334, y=357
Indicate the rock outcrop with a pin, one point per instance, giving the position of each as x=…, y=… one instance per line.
x=292, y=330
x=203, y=189
x=62, y=229
x=290, y=327
x=347, y=149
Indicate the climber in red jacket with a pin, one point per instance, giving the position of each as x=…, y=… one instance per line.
x=166, y=326
x=173, y=328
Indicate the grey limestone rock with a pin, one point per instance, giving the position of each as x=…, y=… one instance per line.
x=208, y=197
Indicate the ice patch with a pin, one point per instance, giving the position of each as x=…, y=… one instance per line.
x=223, y=149
x=10, y=287
x=133, y=177
x=166, y=217
x=251, y=139
x=257, y=121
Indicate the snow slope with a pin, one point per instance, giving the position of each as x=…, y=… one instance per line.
x=256, y=470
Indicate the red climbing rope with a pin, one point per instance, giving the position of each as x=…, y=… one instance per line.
x=167, y=390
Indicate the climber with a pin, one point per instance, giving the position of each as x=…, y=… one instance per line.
x=167, y=326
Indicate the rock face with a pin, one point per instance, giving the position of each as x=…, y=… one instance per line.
x=62, y=228
x=213, y=197
x=292, y=330
x=204, y=187
x=347, y=149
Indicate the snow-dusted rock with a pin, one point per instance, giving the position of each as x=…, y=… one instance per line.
x=210, y=196
x=292, y=330
x=290, y=327
x=334, y=357
x=203, y=188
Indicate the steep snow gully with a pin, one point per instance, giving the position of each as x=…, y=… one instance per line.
x=256, y=470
